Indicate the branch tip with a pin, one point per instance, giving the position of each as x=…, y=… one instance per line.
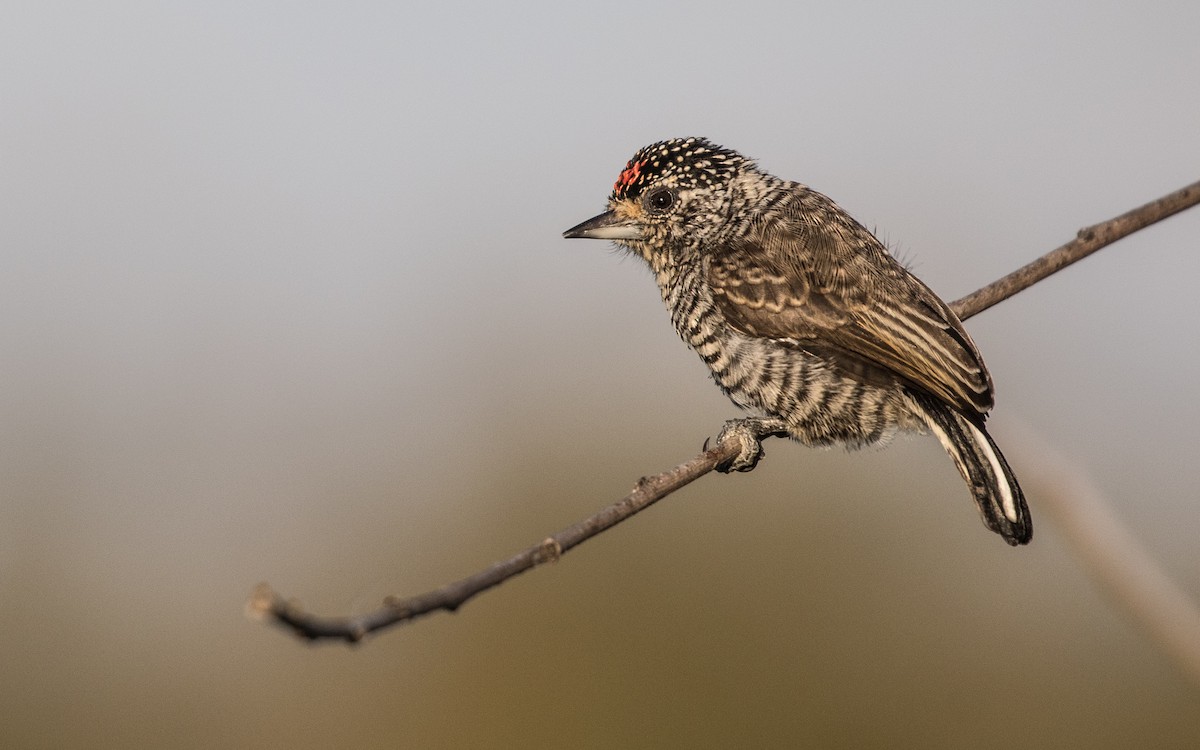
x=261, y=602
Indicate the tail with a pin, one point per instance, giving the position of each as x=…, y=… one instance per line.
x=992, y=482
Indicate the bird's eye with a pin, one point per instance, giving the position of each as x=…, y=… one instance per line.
x=660, y=200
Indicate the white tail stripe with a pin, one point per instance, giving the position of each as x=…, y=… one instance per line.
x=1006, y=496
x=950, y=447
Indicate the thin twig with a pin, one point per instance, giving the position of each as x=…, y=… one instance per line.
x=1087, y=241
x=1109, y=552
x=649, y=490
x=267, y=604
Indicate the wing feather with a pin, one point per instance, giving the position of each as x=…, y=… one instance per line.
x=814, y=276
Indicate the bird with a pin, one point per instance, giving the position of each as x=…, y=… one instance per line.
x=804, y=316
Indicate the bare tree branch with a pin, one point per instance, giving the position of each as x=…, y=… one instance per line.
x=648, y=490
x=267, y=604
x=1087, y=241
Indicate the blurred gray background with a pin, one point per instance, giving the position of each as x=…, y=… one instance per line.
x=283, y=297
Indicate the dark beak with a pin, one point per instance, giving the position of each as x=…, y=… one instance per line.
x=606, y=226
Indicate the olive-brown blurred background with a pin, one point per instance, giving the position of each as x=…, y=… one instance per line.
x=283, y=297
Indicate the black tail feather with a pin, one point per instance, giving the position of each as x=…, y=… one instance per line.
x=993, y=484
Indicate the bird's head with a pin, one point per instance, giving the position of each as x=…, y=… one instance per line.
x=671, y=196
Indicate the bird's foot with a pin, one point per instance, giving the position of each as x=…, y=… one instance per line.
x=749, y=433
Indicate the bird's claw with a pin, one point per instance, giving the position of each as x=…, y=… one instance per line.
x=749, y=434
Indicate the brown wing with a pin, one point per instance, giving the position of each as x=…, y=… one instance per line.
x=815, y=276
